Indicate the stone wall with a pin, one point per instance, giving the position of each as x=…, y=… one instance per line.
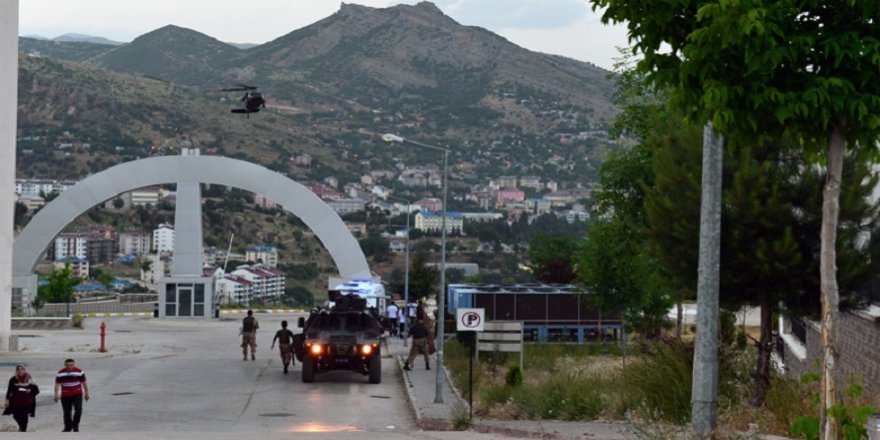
x=99, y=307
x=859, y=347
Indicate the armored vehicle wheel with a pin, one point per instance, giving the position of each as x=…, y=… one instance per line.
x=376, y=368
x=308, y=369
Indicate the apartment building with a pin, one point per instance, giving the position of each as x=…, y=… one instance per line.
x=163, y=238
x=429, y=221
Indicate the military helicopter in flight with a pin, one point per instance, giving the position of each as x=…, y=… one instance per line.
x=252, y=99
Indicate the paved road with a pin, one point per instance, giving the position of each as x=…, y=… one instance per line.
x=186, y=378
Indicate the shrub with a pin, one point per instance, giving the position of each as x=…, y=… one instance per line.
x=77, y=320
x=660, y=383
x=514, y=376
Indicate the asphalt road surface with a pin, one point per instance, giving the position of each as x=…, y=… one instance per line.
x=186, y=378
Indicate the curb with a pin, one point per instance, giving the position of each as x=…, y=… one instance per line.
x=425, y=424
x=267, y=311
x=116, y=314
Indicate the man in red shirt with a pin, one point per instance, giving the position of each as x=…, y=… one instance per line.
x=71, y=387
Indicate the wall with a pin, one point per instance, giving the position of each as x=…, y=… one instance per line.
x=859, y=348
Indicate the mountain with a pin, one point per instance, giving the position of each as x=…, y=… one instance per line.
x=87, y=39
x=407, y=56
x=64, y=50
x=330, y=87
x=172, y=53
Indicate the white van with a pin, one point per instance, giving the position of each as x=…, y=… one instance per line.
x=372, y=291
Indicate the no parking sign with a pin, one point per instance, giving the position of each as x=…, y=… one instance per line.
x=470, y=320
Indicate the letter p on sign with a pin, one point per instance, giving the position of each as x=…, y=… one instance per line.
x=470, y=320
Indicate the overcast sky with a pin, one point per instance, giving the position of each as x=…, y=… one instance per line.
x=564, y=27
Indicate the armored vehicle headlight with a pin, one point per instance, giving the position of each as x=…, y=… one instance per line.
x=367, y=349
x=316, y=349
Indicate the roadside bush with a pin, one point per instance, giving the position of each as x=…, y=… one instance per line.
x=77, y=320
x=787, y=400
x=514, y=376
x=659, y=382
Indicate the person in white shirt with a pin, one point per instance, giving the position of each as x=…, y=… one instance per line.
x=391, y=313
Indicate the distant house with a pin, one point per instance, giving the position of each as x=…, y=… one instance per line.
x=79, y=266
x=430, y=204
x=264, y=202
x=510, y=194
x=134, y=242
x=433, y=221
x=267, y=255
x=531, y=182
x=507, y=182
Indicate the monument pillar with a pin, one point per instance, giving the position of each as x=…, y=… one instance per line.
x=9, y=99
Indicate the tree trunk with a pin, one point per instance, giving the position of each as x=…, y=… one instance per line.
x=765, y=348
x=828, y=279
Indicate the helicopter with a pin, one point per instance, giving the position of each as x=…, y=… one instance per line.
x=252, y=99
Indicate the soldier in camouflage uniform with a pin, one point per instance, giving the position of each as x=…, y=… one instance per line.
x=249, y=326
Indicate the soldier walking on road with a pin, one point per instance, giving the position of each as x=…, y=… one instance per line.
x=249, y=326
x=419, y=345
x=72, y=388
x=285, y=345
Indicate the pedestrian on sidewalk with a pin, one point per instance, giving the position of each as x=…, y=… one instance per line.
x=419, y=345
x=285, y=345
x=391, y=313
x=21, y=397
x=401, y=324
x=71, y=387
x=249, y=326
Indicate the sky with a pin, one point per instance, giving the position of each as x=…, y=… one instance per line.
x=562, y=27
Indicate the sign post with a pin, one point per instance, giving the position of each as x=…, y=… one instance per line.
x=470, y=320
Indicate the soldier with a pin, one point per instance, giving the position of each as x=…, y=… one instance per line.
x=419, y=345
x=285, y=339
x=249, y=326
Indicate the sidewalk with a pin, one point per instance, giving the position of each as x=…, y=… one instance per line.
x=420, y=385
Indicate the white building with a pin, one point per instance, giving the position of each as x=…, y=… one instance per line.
x=346, y=206
x=145, y=196
x=134, y=243
x=234, y=289
x=163, y=238
x=267, y=255
x=71, y=246
x=430, y=221
x=267, y=283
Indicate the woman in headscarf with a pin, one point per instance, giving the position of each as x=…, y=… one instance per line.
x=21, y=397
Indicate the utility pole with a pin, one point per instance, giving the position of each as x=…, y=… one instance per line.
x=704, y=392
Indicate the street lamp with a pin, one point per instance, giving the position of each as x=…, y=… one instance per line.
x=441, y=294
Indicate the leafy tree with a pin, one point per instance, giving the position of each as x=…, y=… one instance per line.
x=118, y=203
x=300, y=296
x=423, y=279
x=20, y=213
x=376, y=246
x=106, y=279
x=762, y=69
x=551, y=258
x=618, y=278
x=59, y=287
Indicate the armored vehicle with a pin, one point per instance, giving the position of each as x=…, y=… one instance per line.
x=344, y=338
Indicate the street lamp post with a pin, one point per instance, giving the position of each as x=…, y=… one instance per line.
x=441, y=294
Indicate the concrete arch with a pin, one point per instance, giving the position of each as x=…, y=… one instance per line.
x=97, y=188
